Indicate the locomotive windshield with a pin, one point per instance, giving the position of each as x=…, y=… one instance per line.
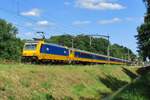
x=30, y=46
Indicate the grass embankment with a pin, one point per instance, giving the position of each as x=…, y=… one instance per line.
x=40, y=82
x=138, y=90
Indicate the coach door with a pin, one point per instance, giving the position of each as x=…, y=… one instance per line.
x=71, y=55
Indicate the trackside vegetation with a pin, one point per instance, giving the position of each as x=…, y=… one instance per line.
x=143, y=36
x=68, y=82
x=10, y=45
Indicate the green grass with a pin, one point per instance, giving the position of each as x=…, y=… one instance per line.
x=41, y=82
x=140, y=90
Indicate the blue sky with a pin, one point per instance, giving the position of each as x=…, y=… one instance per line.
x=118, y=18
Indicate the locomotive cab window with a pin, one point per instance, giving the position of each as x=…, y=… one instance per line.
x=30, y=46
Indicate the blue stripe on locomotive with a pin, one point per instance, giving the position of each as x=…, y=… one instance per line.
x=53, y=49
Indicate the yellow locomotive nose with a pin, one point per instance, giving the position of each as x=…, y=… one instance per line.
x=28, y=53
x=29, y=49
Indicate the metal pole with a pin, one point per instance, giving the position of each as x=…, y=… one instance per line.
x=73, y=42
x=128, y=55
x=90, y=41
x=108, y=49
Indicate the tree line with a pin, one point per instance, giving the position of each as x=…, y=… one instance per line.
x=143, y=36
x=11, y=46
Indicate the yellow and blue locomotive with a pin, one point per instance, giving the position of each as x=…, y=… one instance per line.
x=39, y=51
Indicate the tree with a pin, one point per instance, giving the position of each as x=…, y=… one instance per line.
x=122, y=52
x=64, y=40
x=147, y=3
x=143, y=36
x=10, y=46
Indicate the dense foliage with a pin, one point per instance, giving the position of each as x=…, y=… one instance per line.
x=98, y=45
x=143, y=36
x=10, y=46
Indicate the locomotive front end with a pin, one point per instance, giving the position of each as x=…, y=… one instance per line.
x=30, y=52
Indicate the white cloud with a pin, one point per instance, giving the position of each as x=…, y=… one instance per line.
x=45, y=23
x=99, y=5
x=32, y=12
x=134, y=19
x=110, y=21
x=67, y=3
x=80, y=23
x=28, y=33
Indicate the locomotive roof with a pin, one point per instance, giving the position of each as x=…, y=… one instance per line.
x=56, y=45
x=34, y=42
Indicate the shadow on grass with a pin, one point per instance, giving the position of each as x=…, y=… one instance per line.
x=129, y=73
x=103, y=95
x=112, y=83
x=139, y=90
x=143, y=70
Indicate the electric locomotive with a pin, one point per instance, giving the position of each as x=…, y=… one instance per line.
x=39, y=51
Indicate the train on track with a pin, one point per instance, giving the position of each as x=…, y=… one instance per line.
x=39, y=51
